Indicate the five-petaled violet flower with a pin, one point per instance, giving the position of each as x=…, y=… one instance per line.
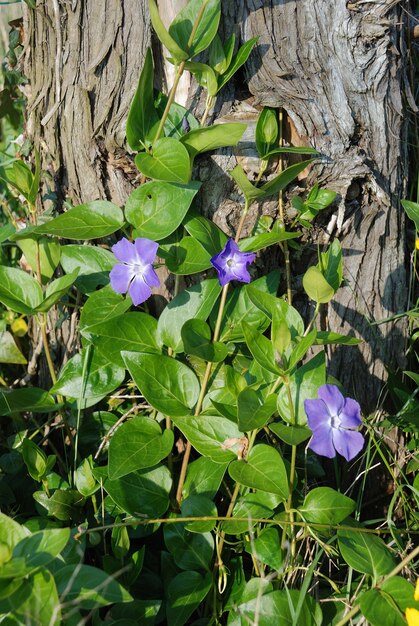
x=333, y=418
x=231, y=264
x=135, y=273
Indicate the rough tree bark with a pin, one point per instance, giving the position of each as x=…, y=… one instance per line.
x=337, y=69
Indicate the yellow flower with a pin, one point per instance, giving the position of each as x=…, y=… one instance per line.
x=417, y=244
x=416, y=596
x=412, y=616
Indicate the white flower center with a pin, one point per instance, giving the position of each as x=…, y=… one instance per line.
x=335, y=421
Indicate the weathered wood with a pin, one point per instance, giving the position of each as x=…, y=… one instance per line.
x=337, y=71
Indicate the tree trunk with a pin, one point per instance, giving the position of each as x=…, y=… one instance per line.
x=337, y=70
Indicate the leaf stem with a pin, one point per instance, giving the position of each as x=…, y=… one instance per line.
x=284, y=244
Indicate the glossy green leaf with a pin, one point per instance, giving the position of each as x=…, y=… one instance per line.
x=213, y=436
x=196, y=302
x=49, y=254
x=263, y=470
x=292, y=435
x=142, y=119
x=64, y=504
x=204, y=75
x=89, y=587
x=259, y=242
x=157, y=208
x=217, y=56
x=56, y=290
x=331, y=264
x=301, y=348
x=248, y=509
x=316, y=286
x=133, y=331
x=11, y=532
x=203, y=478
x=276, y=607
x=381, y=609
x=197, y=340
x=168, y=385
x=92, y=220
x=182, y=26
x=35, y=459
x=138, y=444
x=253, y=411
x=324, y=505
x=186, y=591
x=283, y=179
x=176, y=116
x=269, y=304
x=168, y=162
x=199, y=506
x=166, y=39
x=266, y=130
x=289, y=150
x=412, y=211
x=101, y=307
x=143, y=492
x=36, y=601
x=186, y=257
x=365, y=552
x=18, y=290
x=88, y=375
x=249, y=191
x=19, y=176
x=212, y=238
x=212, y=137
x=26, y=399
x=325, y=337
x=190, y=550
x=261, y=348
x=9, y=352
x=42, y=547
x=239, y=59
x=84, y=480
x=280, y=333
x=266, y=548
x=304, y=384
x=94, y=264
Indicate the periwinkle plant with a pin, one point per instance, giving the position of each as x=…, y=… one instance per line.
x=226, y=371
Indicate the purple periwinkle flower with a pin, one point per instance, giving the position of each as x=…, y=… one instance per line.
x=231, y=264
x=135, y=273
x=333, y=418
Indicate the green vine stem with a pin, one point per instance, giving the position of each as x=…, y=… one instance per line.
x=284, y=244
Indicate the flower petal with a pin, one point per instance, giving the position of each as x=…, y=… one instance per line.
x=332, y=397
x=125, y=251
x=322, y=442
x=232, y=264
x=150, y=276
x=350, y=415
x=347, y=442
x=146, y=249
x=317, y=413
x=120, y=277
x=139, y=290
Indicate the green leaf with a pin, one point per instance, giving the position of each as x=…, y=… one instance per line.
x=197, y=340
x=276, y=607
x=263, y=470
x=190, y=550
x=316, y=286
x=84, y=480
x=261, y=348
x=199, y=506
x=204, y=75
x=182, y=26
x=138, y=444
x=196, y=302
x=42, y=547
x=292, y=435
x=325, y=337
x=259, y=242
x=212, y=137
x=169, y=161
x=284, y=178
x=92, y=220
x=266, y=130
x=249, y=191
x=168, y=385
x=35, y=459
x=301, y=349
x=186, y=591
x=89, y=587
x=254, y=411
x=49, y=254
x=56, y=290
x=94, y=264
x=186, y=257
x=331, y=264
x=64, y=504
x=143, y=492
x=142, y=119
x=324, y=505
x=134, y=331
x=102, y=306
x=381, y=609
x=157, y=208
x=412, y=211
x=166, y=39
x=177, y=113
x=29, y=399
x=11, y=532
x=217, y=56
x=212, y=238
x=88, y=375
x=239, y=59
x=365, y=552
x=9, y=352
x=304, y=384
x=289, y=150
x=266, y=548
x=36, y=601
x=252, y=506
x=203, y=478
x=18, y=290
x=213, y=436
x=19, y=176
x=275, y=308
